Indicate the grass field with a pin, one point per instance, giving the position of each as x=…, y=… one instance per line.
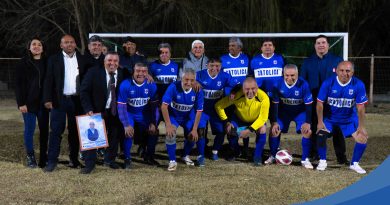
x=219, y=182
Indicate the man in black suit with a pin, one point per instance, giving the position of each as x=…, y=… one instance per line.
x=97, y=97
x=61, y=94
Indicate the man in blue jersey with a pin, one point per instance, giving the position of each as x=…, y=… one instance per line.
x=137, y=104
x=267, y=67
x=292, y=102
x=182, y=106
x=315, y=70
x=164, y=70
x=236, y=63
x=213, y=83
x=340, y=105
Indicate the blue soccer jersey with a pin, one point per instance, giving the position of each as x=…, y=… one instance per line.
x=237, y=67
x=137, y=97
x=340, y=99
x=267, y=70
x=213, y=87
x=291, y=99
x=164, y=74
x=181, y=102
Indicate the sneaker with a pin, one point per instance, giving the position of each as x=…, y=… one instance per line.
x=270, y=160
x=172, y=166
x=127, y=163
x=151, y=161
x=357, y=168
x=86, y=170
x=81, y=156
x=307, y=164
x=188, y=161
x=31, y=161
x=201, y=161
x=50, y=167
x=322, y=165
x=343, y=160
x=256, y=162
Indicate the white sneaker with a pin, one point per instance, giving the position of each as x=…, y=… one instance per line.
x=307, y=164
x=270, y=160
x=172, y=166
x=188, y=161
x=322, y=165
x=357, y=168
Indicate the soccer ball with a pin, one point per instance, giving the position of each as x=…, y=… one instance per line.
x=283, y=157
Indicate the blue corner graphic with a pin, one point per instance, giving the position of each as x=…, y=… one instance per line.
x=372, y=189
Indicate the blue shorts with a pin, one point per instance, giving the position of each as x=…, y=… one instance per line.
x=215, y=122
x=285, y=120
x=187, y=124
x=347, y=129
x=139, y=121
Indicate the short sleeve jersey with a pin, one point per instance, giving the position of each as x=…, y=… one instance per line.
x=213, y=87
x=340, y=99
x=181, y=102
x=164, y=74
x=267, y=70
x=237, y=67
x=292, y=99
x=137, y=96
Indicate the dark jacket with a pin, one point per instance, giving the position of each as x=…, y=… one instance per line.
x=127, y=62
x=29, y=82
x=316, y=70
x=93, y=60
x=54, y=80
x=94, y=89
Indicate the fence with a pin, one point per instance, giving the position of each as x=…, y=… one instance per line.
x=374, y=71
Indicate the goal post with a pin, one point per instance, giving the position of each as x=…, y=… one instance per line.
x=342, y=36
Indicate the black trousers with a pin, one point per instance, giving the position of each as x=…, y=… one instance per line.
x=114, y=132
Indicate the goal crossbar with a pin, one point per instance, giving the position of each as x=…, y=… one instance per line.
x=227, y=35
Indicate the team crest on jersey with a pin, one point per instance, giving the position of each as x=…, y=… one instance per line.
x=275, y=62
x=260, y=63
x=205, y=82
x=158, y=70
x=193, y=98
x=228, y=62
x=350, y=91
x=281, y=91
x=178, y=97
x=172, y=70
x=219, y=83
x=296, y=92
x=132, y=91
x=334, y=91
x=146, y=91
x=242, y=61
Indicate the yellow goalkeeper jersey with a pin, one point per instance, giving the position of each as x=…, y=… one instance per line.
x=253, y=110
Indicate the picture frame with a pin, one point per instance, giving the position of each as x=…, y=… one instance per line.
x=92, y=132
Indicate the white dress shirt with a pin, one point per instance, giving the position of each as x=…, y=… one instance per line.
x=108, y=86
x=71, y=73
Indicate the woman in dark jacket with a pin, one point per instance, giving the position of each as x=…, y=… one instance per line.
x=30, y=73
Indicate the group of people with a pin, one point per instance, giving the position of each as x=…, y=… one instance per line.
x=234, y=94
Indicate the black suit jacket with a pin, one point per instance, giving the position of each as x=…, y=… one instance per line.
x=94, y=89
x=54, y=80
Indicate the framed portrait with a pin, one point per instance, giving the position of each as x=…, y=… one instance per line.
x=92, y=131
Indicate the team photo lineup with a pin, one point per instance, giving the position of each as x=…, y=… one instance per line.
x=233, y=95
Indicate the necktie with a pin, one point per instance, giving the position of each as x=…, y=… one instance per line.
x=111, y=85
